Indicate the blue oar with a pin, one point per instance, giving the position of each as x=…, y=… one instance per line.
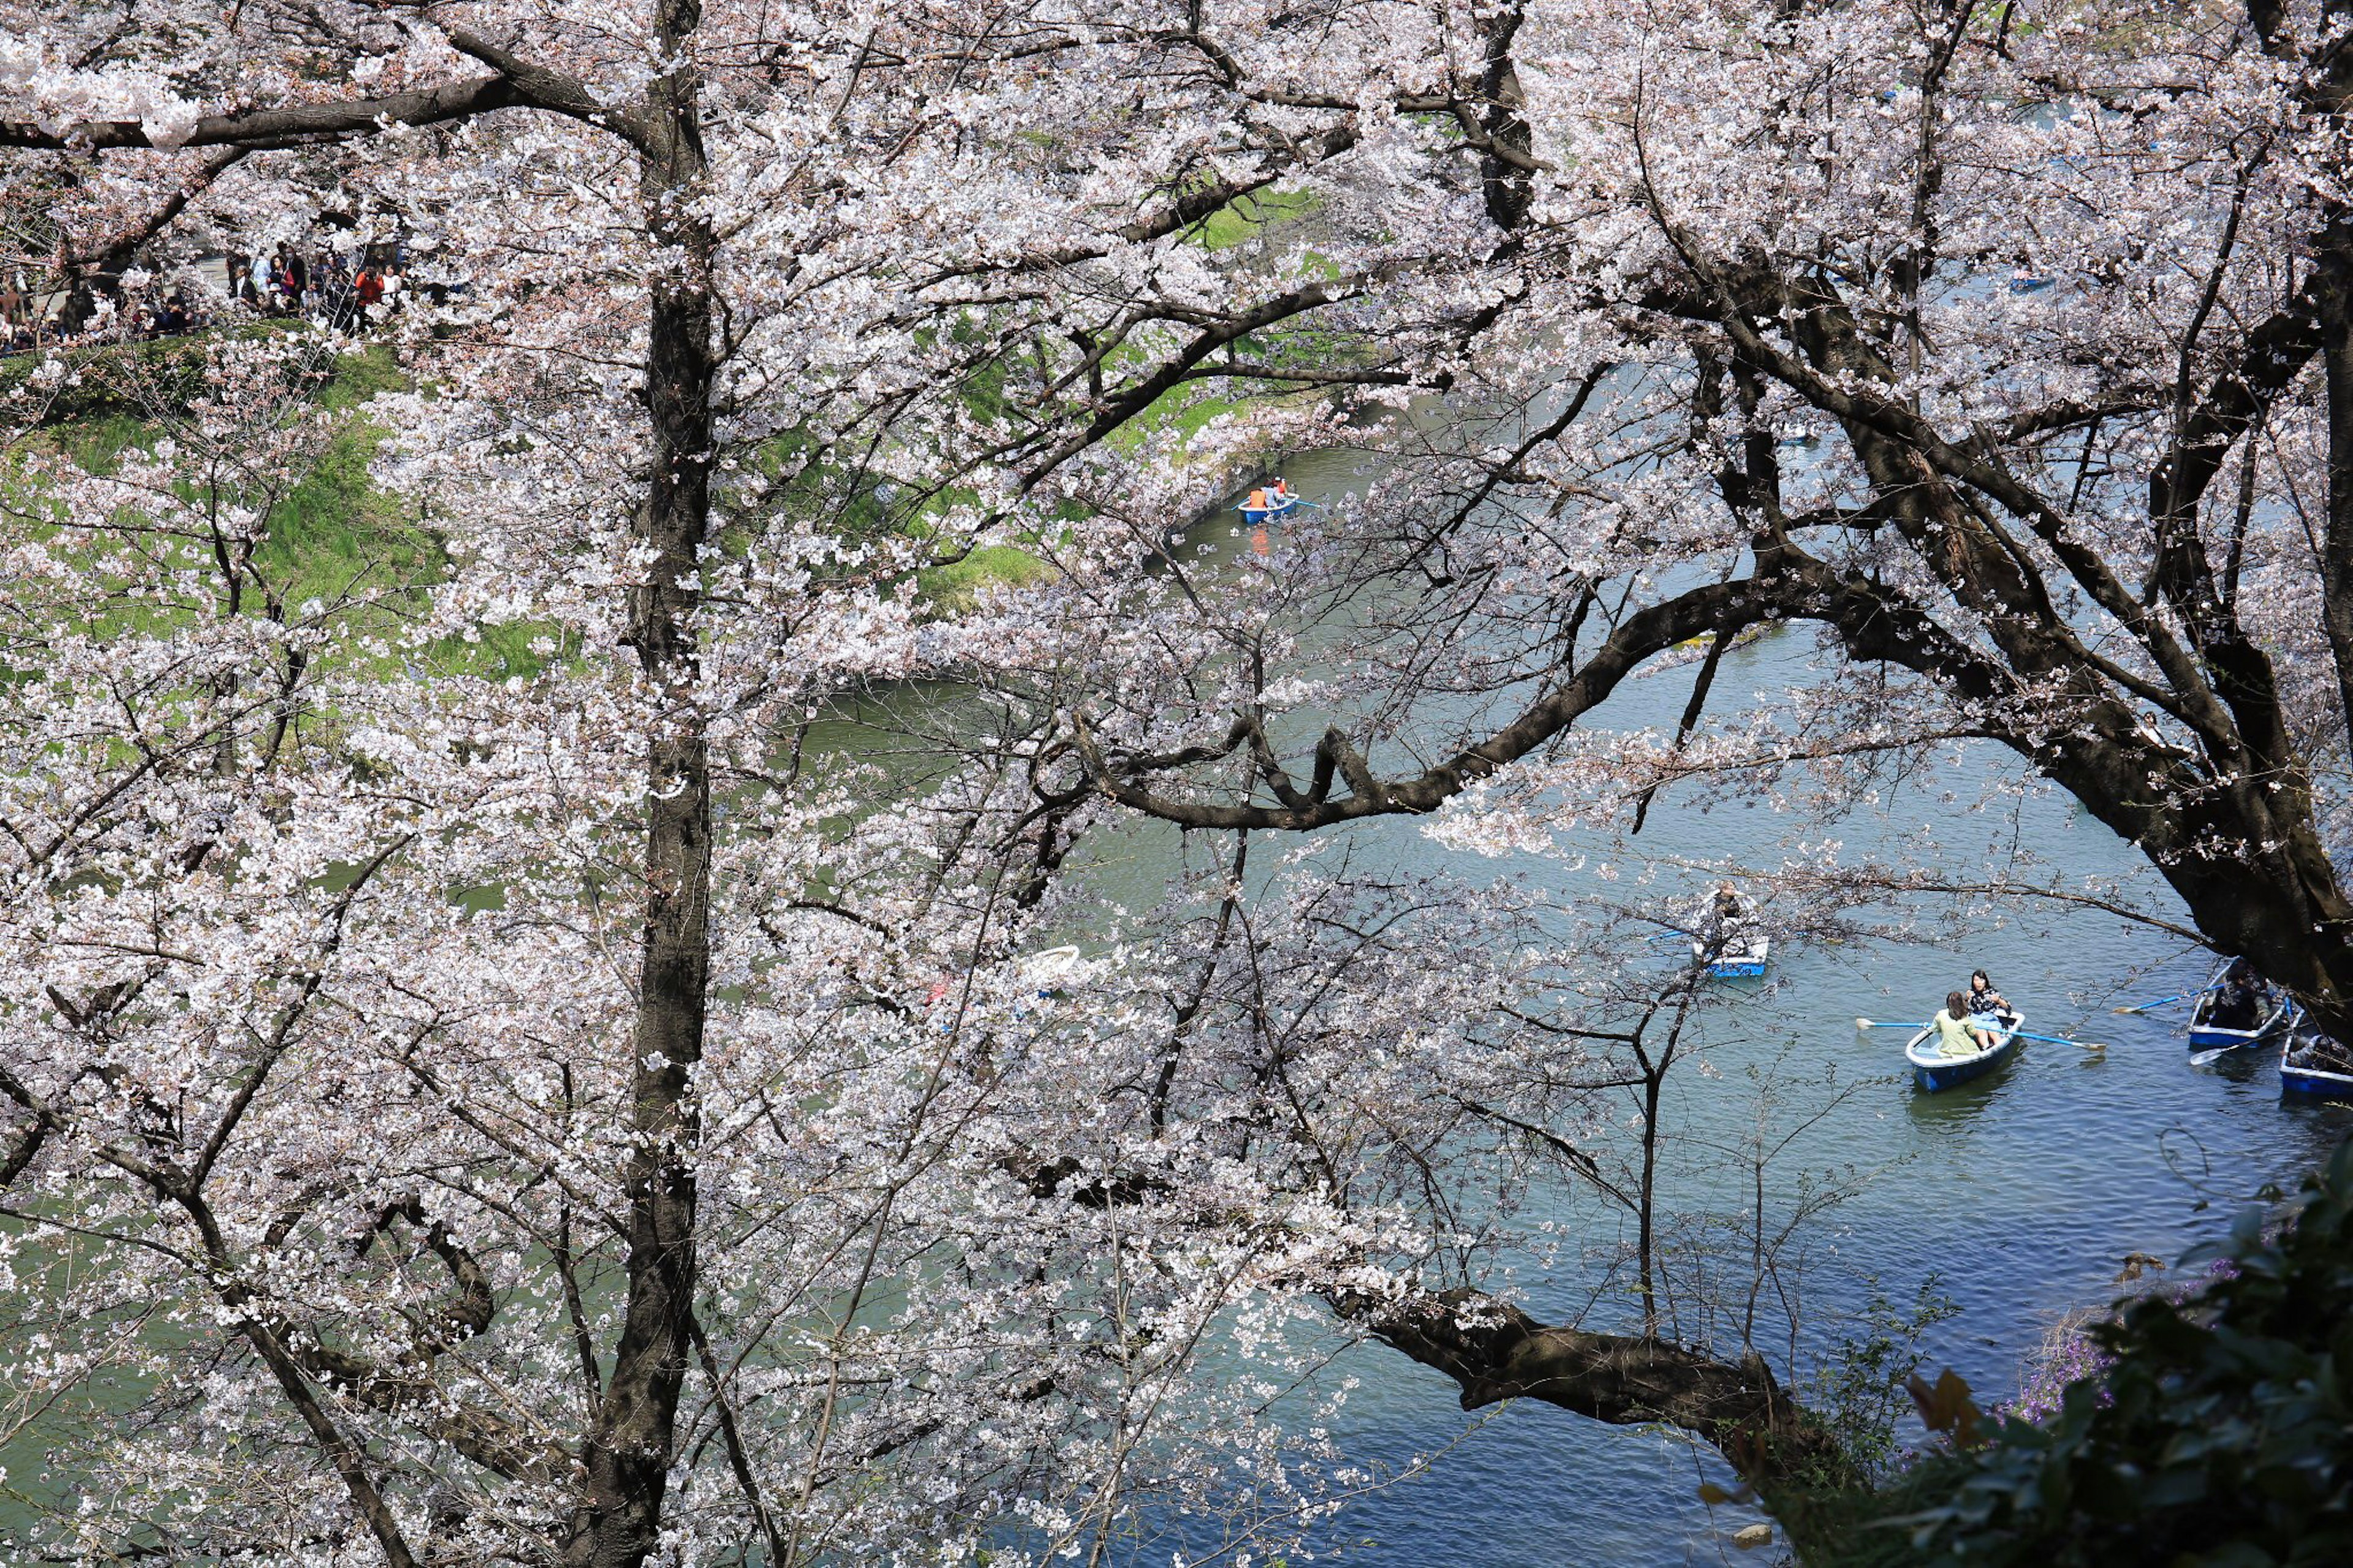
x=2151, y=1006
x=2021, y=1034
x=2064, y=1040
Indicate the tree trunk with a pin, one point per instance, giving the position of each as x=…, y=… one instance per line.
x=629, y=1448
x=2336, y=298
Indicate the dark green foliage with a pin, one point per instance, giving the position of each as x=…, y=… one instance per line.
x=2220, y=1438
x=1859, y=1393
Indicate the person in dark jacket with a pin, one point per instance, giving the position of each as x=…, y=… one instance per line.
x=2240, y=1000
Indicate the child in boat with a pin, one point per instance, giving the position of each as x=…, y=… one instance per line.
x=1282, y=491
x=1984, y=1000
x=1257, y=502
x=1956, y=1036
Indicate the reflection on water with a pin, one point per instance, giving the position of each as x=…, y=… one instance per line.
x=2021, y=1193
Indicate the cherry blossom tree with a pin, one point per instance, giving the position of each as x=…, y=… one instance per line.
x=362, y=1033
x=533, y=1101
x=1996, y=345
x=1989, y=345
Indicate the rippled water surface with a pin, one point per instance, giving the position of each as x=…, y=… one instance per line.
x=2022, y=1193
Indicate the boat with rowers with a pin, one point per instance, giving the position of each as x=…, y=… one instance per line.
x=2312, y=1066
x=2237, y=1009
x=1268, y=502
x=1728, y=941
x=1741, y=956
x=1933, y=1071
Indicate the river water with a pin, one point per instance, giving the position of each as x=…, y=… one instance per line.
x=2024, y=1194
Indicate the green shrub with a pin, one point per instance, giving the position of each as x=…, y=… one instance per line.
x=2219, y=1438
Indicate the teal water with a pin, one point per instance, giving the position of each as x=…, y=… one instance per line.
x=2023, y=1193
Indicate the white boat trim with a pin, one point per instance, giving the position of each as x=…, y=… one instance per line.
x=1934, y=1060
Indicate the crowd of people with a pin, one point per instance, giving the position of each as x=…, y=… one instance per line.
x=324, y=284
x=23, y=327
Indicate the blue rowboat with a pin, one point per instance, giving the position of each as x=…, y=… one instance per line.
x=2280, y=1016
x=1933, y=1071
x=2313, y=1067
x=1728, y=942
x=1260, y=513
x=1743, y=958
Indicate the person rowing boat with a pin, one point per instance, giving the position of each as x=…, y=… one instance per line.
x=1958, y=1034
x=1724, y=922
x=1957, y=1046
x=1728, y=939
x=2240, y=1001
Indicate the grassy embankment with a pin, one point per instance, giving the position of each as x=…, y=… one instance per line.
x=1183, y=410
x=335, y=529
x=332, y=534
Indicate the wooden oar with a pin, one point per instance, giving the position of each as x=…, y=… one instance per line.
x=2151, y=1006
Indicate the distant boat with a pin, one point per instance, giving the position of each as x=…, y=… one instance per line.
x=2281, y=1014
x=1734, y=949
x=1260, y=513
x=1933, y=1071
x=2311, y=1066
x=1743, y=959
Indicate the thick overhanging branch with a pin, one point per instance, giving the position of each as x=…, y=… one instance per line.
x=1718, y=606
x=111, y=256
x=22, y=1151
x=1496, y=1352
x=515, y=84
x=293, y=125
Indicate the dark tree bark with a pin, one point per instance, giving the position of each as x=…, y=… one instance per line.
x=626, y=1454
x=632, y=1440
x=2336, y=302
x=1496, y=1352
